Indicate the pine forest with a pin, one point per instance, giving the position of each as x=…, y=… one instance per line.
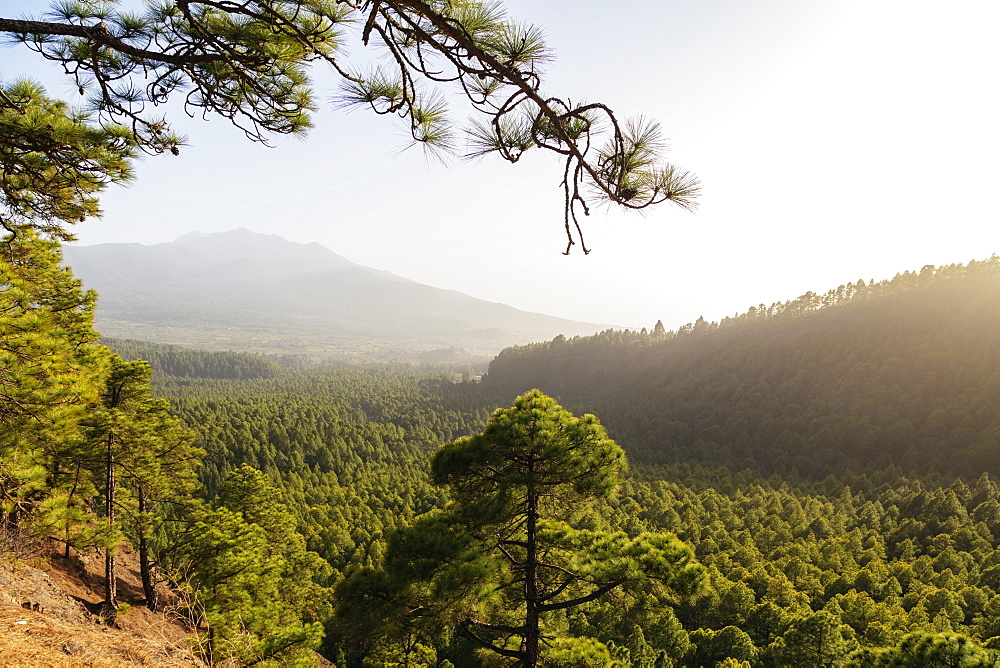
x=811, y=483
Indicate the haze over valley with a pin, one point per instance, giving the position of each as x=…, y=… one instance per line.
x=240, y=290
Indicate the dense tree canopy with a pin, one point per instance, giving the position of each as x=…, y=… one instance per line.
x=248, y=61
x=89, y=457
x=145, y=464
x=257, y=594
x=788, y=447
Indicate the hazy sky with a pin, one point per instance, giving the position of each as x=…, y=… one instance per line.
x=835, y=140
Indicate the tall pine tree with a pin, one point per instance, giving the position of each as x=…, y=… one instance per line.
x=500, y=560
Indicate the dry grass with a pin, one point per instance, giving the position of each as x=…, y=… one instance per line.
x=16, y=547
x=46, y=619
x=33, y=639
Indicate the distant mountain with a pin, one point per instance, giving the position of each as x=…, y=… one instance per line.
x=256, y=292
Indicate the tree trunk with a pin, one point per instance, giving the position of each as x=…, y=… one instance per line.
x=76, y=482
x=110, y=581
x=529, y=641
x=145, y=563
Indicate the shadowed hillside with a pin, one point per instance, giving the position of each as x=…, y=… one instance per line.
x=906, y=372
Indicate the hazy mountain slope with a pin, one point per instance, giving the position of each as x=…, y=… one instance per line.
x=260, y=292
x=905, y=372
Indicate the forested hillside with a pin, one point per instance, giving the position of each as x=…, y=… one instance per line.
x=830, y=462
x=93, y=464
x=180, y=362
x=905, y=373
x=813, y=483
x=854, y=562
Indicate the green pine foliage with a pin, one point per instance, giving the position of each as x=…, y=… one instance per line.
x=50, y=371
x=881, y=549
x=252, y=64
x=144, y=463
x=55, y=160
x=256, y=595
x=501, y=562
x=348, y=446
x=89, y=456
x=918, y=650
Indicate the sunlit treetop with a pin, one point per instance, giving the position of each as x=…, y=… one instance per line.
x=248, y=61
x=54, y=160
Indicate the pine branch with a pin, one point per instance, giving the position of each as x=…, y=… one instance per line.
x=99, y=34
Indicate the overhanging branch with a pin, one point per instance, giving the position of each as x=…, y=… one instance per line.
x=99, y=34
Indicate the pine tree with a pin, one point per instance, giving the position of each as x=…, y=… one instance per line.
x=256, y=593
x=919, y=650
x=499, y=559
x=816, y=640
x=54, y=160
x=145, y=457
x=50, y=371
